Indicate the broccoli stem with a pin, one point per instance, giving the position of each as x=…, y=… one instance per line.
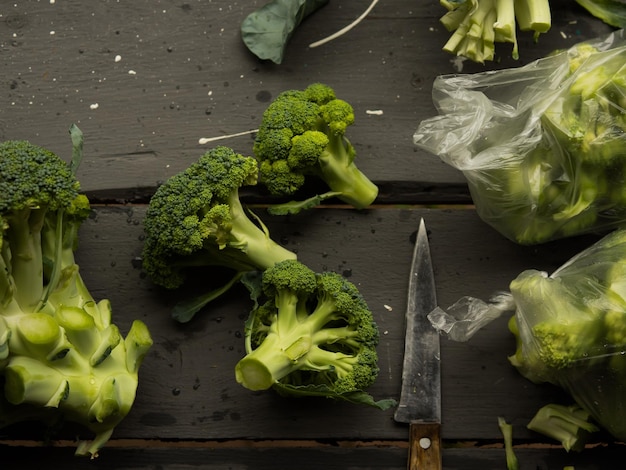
x=533, y=15
x=287, y=342
x=293, y=340
x=570, y=425
x=24, y=238
x=7, y=287
x=337, y=168
x=507, y=433
x=505, y=20
x=254, y=241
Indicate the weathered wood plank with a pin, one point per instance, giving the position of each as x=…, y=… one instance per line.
x=184, y=74
x=188, y=390
x=304, y=456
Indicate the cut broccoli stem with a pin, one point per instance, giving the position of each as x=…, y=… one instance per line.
x=507, y=433
x=533, y=15
x=570, y=425
x=337, y=168
x=28, y=380
x=505, y=21
x=274, y=359
x=24, y=238
x=137, y=342
x=255, y=241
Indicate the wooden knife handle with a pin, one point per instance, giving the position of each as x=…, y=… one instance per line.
x=424, y=446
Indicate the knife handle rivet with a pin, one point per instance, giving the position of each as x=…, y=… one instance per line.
x=424, y=443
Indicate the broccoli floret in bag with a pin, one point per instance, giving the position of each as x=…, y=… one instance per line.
x=543, y=147
x=570, y=331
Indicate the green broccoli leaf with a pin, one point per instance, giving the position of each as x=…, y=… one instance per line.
x=267, y=31
x=612, y=12
x=359, y=397
x=186, y=309
x=295, y=207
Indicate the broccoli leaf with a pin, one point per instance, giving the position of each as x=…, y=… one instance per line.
x=612, y=12
x=358, y=397
x=186, y=309
x=267, y=31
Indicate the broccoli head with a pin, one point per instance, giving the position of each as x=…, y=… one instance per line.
x=61, y=357
x=196, y=219
x=302, y=134
x=311, y=334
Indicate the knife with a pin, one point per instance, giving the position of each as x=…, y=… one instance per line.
x=420, y=398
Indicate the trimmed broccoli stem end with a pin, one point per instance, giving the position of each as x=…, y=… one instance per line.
x=274, y=359
x=24, y=238
x=281, y=351
x=507, y=433
x=570, y=425
x=337, y=169
x=261, y=250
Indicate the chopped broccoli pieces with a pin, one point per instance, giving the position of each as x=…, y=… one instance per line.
x=477, y=25
x=570, y=425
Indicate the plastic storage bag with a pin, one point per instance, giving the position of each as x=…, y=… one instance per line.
x=570, y=328
x=543, y=146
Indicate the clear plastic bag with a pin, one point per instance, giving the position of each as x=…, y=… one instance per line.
x=570, y=328
x=543, y=146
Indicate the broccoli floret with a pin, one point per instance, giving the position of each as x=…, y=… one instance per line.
x=311, y=332
x=588, y=120
x=560, y=328
x=570, y=329
x=61, y=357
x=478, y=24
x=302, y=134
x=570, y=425
x=195, y=219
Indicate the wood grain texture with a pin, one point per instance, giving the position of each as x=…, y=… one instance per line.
x=183, y=73
x=187, y=388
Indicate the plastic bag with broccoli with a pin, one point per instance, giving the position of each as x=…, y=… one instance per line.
x=542, y=146
x=570, y=328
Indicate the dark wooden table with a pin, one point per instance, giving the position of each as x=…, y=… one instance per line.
x=145, y=80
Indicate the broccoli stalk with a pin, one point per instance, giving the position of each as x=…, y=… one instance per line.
x=509, y=452
x=555, y=325
x=60, y=354
x=302, y=134
x=570, y=425
x=196, y=220
x=476, y=25
x=312, y=334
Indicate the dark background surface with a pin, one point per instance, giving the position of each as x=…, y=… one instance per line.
x=183, y=74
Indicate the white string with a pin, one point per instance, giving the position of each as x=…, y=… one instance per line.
x=206, y=140
x=345, y=29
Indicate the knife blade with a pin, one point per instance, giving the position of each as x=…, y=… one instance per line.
x=420, y=397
